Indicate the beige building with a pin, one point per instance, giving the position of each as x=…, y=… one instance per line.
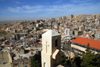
x=5, y=57
x=21, y=63
x=51, y=52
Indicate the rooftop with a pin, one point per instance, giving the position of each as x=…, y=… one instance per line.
x=51, y=33
x=85, y=41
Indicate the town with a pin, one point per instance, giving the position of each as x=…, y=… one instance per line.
x=20, y=41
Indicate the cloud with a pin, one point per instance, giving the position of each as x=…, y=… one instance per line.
x=26, y=9
x=32, y=7
x=13, y=9
x=84, y=8
x=79, y=0
x=58, y=1
x=17, y=2
x=41, y=11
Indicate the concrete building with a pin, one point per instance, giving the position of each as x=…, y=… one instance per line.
x=66, y=46
x=5, y=57
x=21, y=63
x=64, y=17
x=52, y=19
x=37, y=25
x=88, y=36
x=97, y=16
x=97, y=21
x=81, y=28
x=67, y=31
x=89, y=18
x=71, y=16
x=79, y=45
x=59, y=18
x=51, y=52
x=97, y=35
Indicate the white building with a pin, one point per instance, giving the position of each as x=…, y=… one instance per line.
x=67, y=31
x=97, y=21
x=37, y=25
x=51, y=52
x=97, y=35
x=89, y=18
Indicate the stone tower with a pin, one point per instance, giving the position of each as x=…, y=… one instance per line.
x=51, y=52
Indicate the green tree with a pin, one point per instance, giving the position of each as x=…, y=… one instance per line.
x=63, y=59
x=88, y=58
x=88, y=47
x=97, y=60
x=36, y=61
x=76, y=61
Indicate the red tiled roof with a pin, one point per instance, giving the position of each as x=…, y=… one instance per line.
x=67, y=27
x=27, y=39
x=36, y=43
x=85, y=41
x=5, y=45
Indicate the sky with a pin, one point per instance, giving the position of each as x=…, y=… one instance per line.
x=44, y=9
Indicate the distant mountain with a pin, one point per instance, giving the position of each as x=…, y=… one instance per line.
x=79, y=17
x=8, y=21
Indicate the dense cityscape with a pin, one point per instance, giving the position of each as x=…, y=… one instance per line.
x=49, y=33
x=50, y=39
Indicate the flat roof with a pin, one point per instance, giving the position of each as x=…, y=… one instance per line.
x=84, y=41
x=51, y=33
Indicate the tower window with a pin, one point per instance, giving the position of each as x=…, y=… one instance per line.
x=56, y=42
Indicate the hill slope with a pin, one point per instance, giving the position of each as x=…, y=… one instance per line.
x=79, y=17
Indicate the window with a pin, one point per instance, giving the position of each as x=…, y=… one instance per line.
x=56, y=42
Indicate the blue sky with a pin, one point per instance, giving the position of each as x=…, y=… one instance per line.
x=42, y=9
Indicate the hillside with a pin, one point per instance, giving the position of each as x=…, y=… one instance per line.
x=79, y=17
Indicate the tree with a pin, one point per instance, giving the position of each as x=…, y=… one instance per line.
x=97, y=60
x=76, y=61
x=64, y=61
x=36, y=61
x=88, y=48
x=88, y=58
